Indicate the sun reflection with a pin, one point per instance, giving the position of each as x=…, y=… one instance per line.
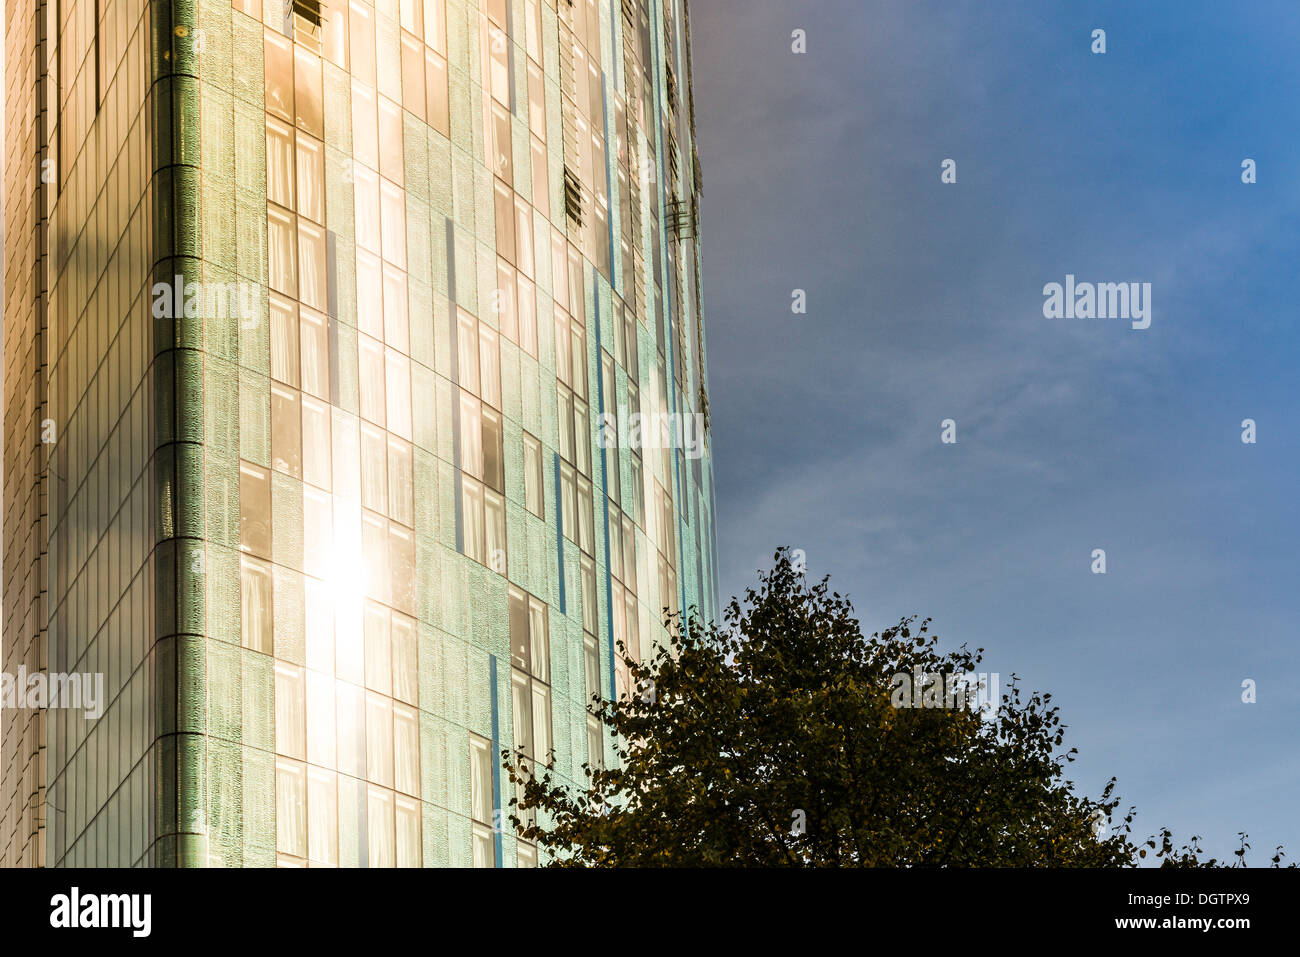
x=346, y=580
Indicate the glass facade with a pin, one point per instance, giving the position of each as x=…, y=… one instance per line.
x=339, y=293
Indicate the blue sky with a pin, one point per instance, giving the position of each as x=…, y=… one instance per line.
x=925, y=302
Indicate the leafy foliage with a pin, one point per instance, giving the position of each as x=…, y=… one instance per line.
x=773, y=741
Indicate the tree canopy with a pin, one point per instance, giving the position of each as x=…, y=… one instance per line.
x=786, y=737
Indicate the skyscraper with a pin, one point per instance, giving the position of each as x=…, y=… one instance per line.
x=328, y=327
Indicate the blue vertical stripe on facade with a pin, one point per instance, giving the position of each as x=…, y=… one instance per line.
x=604, y=495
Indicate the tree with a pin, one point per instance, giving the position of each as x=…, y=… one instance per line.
x=786, y=738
